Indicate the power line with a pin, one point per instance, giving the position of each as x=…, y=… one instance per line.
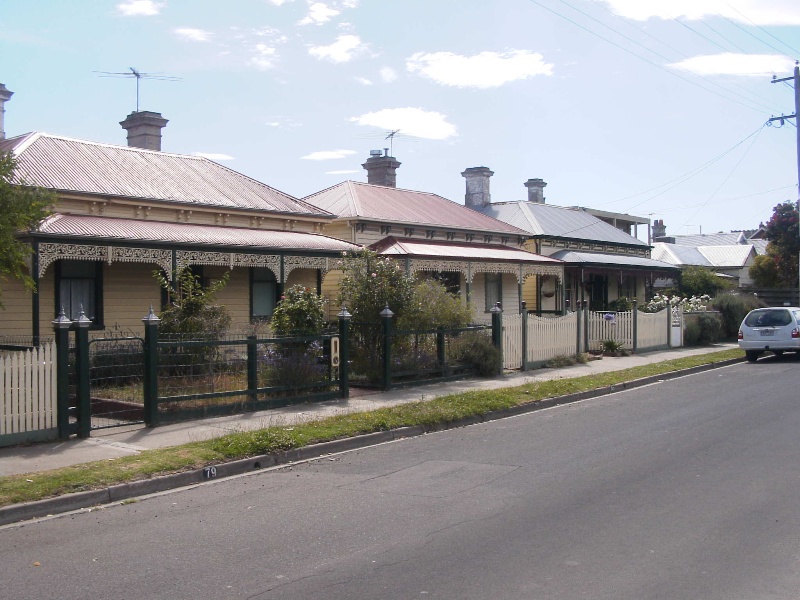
x=796, y=52
x=651, y=63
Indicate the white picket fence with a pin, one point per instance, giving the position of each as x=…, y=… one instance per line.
x=651, y=330
x=28, y=390
x=552, y=336
x=611, y=326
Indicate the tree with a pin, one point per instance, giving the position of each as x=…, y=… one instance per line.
x=22, y=207
x=192, y=310
x=782, y=232
x=764, y=270
x=697, y=281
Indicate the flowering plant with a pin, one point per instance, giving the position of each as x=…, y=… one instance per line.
x=660, y=302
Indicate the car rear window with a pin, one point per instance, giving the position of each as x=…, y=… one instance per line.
x=769, y=318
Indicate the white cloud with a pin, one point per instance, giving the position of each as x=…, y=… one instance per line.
x=410, y=121
x=341, y=172
x=283, y=123
x=774, y=12
x=318, y=13
x=213, y=156
x=736, y=64
x=344, y=49
x=363, y=81
x=139, y=8
x=328, y=154
x=280, y=2
x=192, y=34
x=265, y=57
x=484, y=70
x=388, y=74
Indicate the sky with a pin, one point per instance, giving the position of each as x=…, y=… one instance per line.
x=657, y=108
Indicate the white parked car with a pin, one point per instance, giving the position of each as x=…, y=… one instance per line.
x=775, y=330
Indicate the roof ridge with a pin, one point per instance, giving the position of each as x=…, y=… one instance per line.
x=41, y=134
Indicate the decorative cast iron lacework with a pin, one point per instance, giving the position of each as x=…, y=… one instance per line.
x=290, y=263
x=49, y=253
x=470, y=269
x=228, y=259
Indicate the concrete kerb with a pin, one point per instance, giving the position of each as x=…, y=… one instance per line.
x=81, y=500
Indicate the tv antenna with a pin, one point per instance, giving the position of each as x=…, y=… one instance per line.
x=138, y=75
x=390, y=136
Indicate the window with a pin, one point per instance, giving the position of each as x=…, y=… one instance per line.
x=450, y=279
x=263, y=292
x=78, y=285
x=494, y=289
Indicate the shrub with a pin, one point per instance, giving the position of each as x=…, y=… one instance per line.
x=621, y=304
x=478, y=351
x=370, y=283
x=613, y=348
x=300, y=312
x=697, y=281
x=733, y=308
x=562, y=360
x=702, y=329
x=295, y=368
x=432, y=306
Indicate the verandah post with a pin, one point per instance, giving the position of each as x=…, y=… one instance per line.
x=386, y=322
x=151, y=322
x=61, y=327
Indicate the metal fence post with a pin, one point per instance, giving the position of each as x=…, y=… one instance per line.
x=635, y=317
x=441, y=350
x=497, y=331
x=61, y=327
x=344, y=352
x=524, y=313
x=84, y=404
x=386, y=322
x=252, y=367
x=151, y=368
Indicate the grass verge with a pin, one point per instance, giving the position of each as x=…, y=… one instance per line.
x=429, y=414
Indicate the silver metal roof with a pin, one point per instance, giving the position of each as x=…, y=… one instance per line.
x=70, y=165
x=547, y=220
x=679, y=255
x=735, y=255
x=611, y=260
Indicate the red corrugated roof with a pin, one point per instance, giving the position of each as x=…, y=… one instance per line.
x=392, y=246
x=131, y=230
x=71, y=165
x=352, y=199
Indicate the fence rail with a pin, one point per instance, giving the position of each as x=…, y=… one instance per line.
x=28, y=390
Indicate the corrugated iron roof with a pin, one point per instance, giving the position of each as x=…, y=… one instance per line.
x=547, y=220
x=352, y=199
x=735, y=255
x=611, y=260
x=131, y=230
x=710, y=239
x=392, y=246
x=678, y=255
x=70, y=165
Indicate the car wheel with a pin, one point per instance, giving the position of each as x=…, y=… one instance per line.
x=752, y=355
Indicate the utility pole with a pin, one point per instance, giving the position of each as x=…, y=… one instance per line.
x=795, y=79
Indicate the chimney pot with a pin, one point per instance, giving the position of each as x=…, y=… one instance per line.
x=382, y=170
x=5, y=96
x=535, y=190
x=660, y=230
x=144, y=129
x=477, y=196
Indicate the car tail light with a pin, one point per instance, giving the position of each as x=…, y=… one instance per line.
x=795, y=333
x=741, y=335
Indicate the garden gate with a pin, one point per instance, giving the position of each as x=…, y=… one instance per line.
x=116, y=381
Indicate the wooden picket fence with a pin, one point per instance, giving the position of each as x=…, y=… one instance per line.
x=28, y=390
x=611, y=326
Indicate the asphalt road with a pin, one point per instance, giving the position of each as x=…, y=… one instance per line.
x=684, y=489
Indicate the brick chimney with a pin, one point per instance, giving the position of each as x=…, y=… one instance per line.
x=659, y=229
x=381, y=168
x=144, y=129
x=535, y=190
x=5, y=96
x=477, y=196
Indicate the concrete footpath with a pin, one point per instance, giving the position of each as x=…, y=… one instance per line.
x=112, y=443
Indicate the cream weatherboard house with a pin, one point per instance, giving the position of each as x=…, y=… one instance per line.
x=475, y=255
x=602, y=262
x=124, y=212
